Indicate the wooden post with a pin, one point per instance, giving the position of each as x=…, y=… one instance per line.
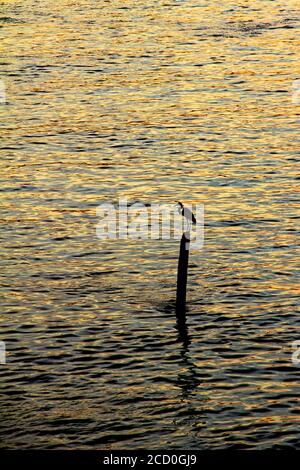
x=183, y=262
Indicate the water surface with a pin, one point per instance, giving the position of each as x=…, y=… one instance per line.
x=153, y=101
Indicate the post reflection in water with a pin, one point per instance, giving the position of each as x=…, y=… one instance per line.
x=187, y=379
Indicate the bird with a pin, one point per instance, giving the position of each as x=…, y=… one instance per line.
x=187, y=213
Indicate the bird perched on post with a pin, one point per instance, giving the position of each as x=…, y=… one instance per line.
x=187, y=213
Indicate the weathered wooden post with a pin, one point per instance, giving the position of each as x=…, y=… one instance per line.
x=183, y=262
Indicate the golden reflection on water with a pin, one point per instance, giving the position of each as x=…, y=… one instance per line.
x=152, y=101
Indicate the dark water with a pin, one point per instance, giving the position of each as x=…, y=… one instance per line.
x=152, y=101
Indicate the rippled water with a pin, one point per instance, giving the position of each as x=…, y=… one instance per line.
x=152, y=100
